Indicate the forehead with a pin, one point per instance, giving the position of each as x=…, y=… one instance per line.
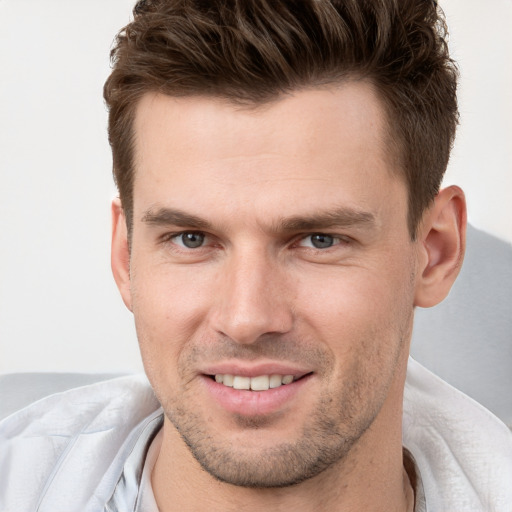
x=314, y=145
x=350, y=112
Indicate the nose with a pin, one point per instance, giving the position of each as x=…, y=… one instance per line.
x=252, y=299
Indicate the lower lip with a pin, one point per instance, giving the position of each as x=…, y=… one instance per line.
x=254, y=403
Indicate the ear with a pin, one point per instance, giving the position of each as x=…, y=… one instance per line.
x=442, y=242
x=120, y=252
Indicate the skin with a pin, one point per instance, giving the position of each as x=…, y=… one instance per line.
x=257, y=184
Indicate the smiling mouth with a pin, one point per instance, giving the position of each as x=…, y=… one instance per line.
x=259, y=383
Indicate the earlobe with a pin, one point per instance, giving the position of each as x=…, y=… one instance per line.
x=120, y=253
x=442, y=242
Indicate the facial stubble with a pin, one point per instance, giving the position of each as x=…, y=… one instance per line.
x=328, y=435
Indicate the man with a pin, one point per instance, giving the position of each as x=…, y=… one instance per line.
x=279, y=219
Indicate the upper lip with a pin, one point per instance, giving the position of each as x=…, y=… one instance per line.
x=255, y=370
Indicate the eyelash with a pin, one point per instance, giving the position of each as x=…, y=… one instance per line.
x=168, y=238
x=337, y=240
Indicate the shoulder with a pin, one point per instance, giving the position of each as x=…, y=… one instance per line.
x=463, y=452
x=18, y=390
x=79, y=431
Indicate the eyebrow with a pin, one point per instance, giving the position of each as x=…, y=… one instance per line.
x=339, y=217
x=174, y=217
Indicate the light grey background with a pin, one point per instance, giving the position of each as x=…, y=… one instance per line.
x=59, y=308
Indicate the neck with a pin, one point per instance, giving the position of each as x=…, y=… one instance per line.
x=372, y=474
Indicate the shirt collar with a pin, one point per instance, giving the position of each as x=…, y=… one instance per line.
x=126, y=492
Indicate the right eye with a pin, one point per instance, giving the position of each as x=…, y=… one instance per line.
x=318, y=241
x=189, y=239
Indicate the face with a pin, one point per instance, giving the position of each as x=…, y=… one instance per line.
x=271, y=277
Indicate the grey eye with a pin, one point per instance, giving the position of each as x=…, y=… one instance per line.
x=320, y=241
x=190, y=239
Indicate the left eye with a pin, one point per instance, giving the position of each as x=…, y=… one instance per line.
x=319, y=241
x=189, y=239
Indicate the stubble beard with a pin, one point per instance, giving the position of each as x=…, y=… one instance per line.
x=323, y=442
x=329, y=433
x=286, y=464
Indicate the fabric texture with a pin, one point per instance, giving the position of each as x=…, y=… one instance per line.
x=146, y=499
x=85, y=449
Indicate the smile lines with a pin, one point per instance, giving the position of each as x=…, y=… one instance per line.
x=259, y=383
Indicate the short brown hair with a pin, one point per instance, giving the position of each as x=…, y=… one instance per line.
x=252, y=51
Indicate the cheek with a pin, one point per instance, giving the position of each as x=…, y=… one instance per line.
x=358, y=308
x=364, y=319
x=169, y=307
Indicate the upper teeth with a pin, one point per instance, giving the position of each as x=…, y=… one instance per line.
x=260, y=383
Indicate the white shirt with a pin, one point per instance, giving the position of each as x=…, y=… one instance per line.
x=146, y=501
x=92, y=449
